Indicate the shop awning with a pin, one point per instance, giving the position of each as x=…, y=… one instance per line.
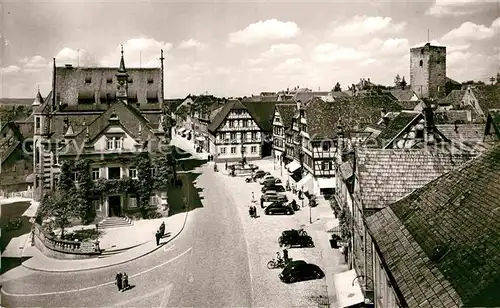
x=306, y=183
x=348, y=289
x=325, y=183
x=293, y=166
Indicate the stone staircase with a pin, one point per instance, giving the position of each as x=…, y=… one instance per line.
x=115, y=222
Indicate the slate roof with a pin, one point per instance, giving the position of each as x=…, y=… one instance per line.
x=451, y=117
x=402, y=95
x=352, y=112
x=398, y=124
x=462, y=132
x=386, y=175
x=441, y=244
x=286, y=111
x=304, y=97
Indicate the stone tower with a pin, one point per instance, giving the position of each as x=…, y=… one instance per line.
x=122, y=78
x=428, y=71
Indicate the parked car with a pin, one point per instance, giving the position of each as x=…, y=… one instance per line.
x=271, y=182
x=276, y=188
x=278, y=208
x=260, y=174
x=300, y=270
x=272, y=196
x=265, y=178
x=292, y=237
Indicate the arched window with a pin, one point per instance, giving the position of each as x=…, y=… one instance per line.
x=421, y=63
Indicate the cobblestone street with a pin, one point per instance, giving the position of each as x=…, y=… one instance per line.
x=262, y=237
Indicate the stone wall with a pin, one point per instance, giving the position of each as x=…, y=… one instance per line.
x=428, y=71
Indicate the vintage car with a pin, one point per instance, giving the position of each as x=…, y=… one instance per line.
x=265, y=178
x=279, y=208
x=271, y=182
x=277, y=188
x=290, y=238
x=272, y=196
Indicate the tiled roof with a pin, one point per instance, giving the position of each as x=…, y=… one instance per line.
x=26, y=129
x=402, y=95
x=286, y=111
x=441, y=243
x=398, y=124
x=221, y=115
x=304, y=97
x=488, y=96
x=262, y=113
x=351, y=112
x=453, y=99
x=386, y=175
x=462, y=132
x=409, y=105
x=451, y=116
x=172, y=104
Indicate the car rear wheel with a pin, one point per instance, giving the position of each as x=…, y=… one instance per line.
x=288, y=212
x=318, y=275
x=271, y=264
x=310, y=244
x=291, y=279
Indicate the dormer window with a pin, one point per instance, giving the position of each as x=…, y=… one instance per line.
x=421, y=63
x=109, y=80
x=88, y=80
x=114, y=143
x=150, y=81
x=130, y=80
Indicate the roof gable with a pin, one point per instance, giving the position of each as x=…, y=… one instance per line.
x=397, y=126
x=262, y=113
x=286, y=112
x=447, y=232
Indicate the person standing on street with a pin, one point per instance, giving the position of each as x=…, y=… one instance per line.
x=119, y=281
x=124, y=282
x=157, y=236
x=162, y=229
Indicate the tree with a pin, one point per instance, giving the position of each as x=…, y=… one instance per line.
x=59, y=204
x=144, y=183
x=172, y=163
x=397, y=80
x=162, y=172
x=337, y=87
x=403, y=83
x=84, y=191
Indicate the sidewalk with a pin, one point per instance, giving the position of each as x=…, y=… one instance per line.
x=188, y=146
x=39, y=262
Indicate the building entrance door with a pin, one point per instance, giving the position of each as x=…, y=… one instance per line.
x=114, y=206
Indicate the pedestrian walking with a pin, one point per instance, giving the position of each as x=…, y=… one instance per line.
x=226, y=164
x=119, y=281
x=285, y=255
x=125, y=285
x=162, y=229
x=157, y=236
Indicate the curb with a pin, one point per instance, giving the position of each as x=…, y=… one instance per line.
x=113, y=264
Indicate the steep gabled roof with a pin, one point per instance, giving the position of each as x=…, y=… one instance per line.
x=386, y=175
x=441, y=243
x=232, y=104
x=129, y=117
x=398, y=125
x=286, y=111
x=262, y=113
x=488, y=96
x=454, y=98
x=402, y=95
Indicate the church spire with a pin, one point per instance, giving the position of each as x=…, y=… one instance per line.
x=122, y=69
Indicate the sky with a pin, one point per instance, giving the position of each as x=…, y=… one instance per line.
x=238, y=48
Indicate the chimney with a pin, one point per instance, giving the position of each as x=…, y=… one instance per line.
x=429, y=117
x=456, y=127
